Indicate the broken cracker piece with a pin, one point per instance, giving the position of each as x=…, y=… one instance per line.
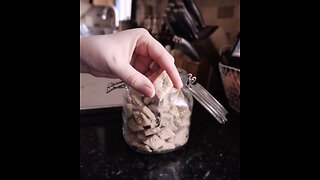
x=142, y=120
x=142, y=147
x=162, y=85
x=181, y=137
x=129, y=108
x=166, y=146
x=136, y=100
x=166, y=133
x=168, y=123
x=148, y=113
x=141, y=136
x=147, y=100
x=174, y=111
x=149, y=132
x=180, y=123
x=133, y=126
x=166, y=115
x=154, y=142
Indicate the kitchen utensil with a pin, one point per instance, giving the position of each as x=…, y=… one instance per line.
x=186, y=47
x=189, y=20
x=184, y=25
x=180, y=29
x=193, y=8
x=203, y=30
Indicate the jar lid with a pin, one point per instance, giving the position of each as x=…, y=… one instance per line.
x=206, y=99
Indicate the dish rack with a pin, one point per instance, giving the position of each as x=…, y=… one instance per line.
x=231, y=83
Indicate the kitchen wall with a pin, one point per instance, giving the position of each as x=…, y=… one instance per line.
x=224, y=13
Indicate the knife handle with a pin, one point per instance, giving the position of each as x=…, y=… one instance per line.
x=167, y=21
x=188, y=17
x=189, y=23
x=187, y=48
x=192, y=7
x=182, y=25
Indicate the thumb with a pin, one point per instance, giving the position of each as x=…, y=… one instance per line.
x=136, y=80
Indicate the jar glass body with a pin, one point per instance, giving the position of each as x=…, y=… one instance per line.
x=157, y=126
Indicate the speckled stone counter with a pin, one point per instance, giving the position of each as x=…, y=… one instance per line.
x=212, y=152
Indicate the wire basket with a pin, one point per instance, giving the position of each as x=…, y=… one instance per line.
x=231, y=83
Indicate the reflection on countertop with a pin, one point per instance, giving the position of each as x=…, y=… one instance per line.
x=212, y=152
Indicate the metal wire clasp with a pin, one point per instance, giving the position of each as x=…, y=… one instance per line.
x=191, y=79
x=206, y=99
x=116, y=85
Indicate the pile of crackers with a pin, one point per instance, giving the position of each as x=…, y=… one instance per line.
x=160, y=123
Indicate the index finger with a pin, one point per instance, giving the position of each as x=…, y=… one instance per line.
x=159, y=54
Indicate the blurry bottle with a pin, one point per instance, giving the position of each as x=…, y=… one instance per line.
x=155, y=28
x=102, y=20
x=148, y=18
x=109, y=19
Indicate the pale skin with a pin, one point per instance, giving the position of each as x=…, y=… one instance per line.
x=133, y=56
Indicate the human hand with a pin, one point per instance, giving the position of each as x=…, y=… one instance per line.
x=132, y=55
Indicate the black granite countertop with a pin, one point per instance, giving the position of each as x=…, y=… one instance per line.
x=212, y=152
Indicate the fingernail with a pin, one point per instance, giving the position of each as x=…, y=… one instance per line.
x=179, y=85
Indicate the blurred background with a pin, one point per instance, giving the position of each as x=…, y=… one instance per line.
x=202, y=35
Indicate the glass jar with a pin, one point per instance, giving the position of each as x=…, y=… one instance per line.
x=158, y=126
x=151, y=125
